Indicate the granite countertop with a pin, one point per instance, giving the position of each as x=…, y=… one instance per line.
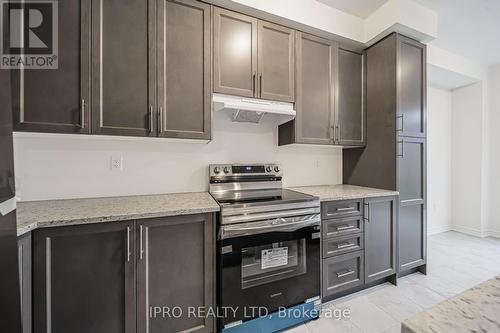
x=475, y=310
x=343, y=192
x=39, y=214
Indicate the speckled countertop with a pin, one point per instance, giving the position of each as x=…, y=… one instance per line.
x=475, y=310
x=39, y=214
x=343, y=192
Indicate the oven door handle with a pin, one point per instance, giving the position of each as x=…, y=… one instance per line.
x=272, y=225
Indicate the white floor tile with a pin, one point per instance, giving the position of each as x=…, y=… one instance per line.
x=456, y=262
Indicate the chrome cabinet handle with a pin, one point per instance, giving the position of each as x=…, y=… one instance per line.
x=345, y=227
x=339, y=137
x=366, y=215
x=402, y=143
x=160, y=119
x=345, y=273
x=345, y=245
x=82, y=114
x=343, y=209
x=260, y=85
x=332, y=133
x=402, y=117
x=151, y=119
x=253, y=83
x=141, y=248
x=128, y=244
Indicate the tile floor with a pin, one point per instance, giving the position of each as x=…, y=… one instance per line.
x=456, y=262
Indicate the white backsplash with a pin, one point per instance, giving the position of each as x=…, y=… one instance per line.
x=51, y=166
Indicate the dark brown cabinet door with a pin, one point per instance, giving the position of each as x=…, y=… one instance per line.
x=315, y=89
x=24, y=249
x=235, y=53
x=123, y=67
x=411, y=87
x=411, y=186
x=175, y=269
x=58, y=100
x=184, y=70
x=350, y=111
x=84, y=279
x=412, y=236
x=276, y=62
x=380, y=238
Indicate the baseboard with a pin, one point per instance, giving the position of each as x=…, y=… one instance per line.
x=468, y=230
x=438, y=229
x=492, y=233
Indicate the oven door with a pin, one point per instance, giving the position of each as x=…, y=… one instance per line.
x=268, y=264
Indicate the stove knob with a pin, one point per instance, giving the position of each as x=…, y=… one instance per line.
x=268, y=169
x=276, y=169
x=226, y=170
x=216, y=170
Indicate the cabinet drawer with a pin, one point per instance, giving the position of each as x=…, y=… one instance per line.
x=335, y=209
x=341, y=245
x=340, y=227
x=342, y=272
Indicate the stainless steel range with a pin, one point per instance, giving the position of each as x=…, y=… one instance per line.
x=268, y=249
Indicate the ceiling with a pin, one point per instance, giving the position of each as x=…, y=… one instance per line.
x=360, y=8
x=444, y=79
x=468, y=28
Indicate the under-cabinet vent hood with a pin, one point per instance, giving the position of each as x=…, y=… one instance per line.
x=252, y=110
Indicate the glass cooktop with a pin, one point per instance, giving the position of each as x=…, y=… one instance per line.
x=260, y=196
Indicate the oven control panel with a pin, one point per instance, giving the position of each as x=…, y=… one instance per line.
x=231, y=170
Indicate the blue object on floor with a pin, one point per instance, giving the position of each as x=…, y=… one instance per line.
x=279, y=320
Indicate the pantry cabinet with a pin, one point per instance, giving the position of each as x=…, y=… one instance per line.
x=394, y=157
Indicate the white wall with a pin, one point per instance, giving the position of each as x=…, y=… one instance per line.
x=467, y=159
x=405, y=16
x=494, y=155
x=439, y=160
x=51, y=167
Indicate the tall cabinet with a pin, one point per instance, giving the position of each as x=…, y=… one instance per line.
x=394, y=157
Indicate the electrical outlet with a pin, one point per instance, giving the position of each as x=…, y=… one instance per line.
x=116, y=163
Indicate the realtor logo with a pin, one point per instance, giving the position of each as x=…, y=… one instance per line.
x=29, y=38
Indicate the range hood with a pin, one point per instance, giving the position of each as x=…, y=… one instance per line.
x=253, y=110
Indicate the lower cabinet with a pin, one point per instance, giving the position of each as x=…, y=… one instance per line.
x=342, y=272
x=380, y=238
x=24, y=260
x=175, y=270
x=104, y=278
x=84, y=279
x=359, y=244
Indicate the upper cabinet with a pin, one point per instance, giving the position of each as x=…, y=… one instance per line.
x=350, y=110
x=329, y=95
x=184, y=69
x=315, y=69
x=276, y=62
x=411, y=58
x=149, y=68
x=235, y=53
x=252, y=58
x=58, y=100
x=123, y=67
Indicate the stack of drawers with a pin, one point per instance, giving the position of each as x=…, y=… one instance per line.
x=342, y=245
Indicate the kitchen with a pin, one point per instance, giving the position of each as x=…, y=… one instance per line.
x=223, y=155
